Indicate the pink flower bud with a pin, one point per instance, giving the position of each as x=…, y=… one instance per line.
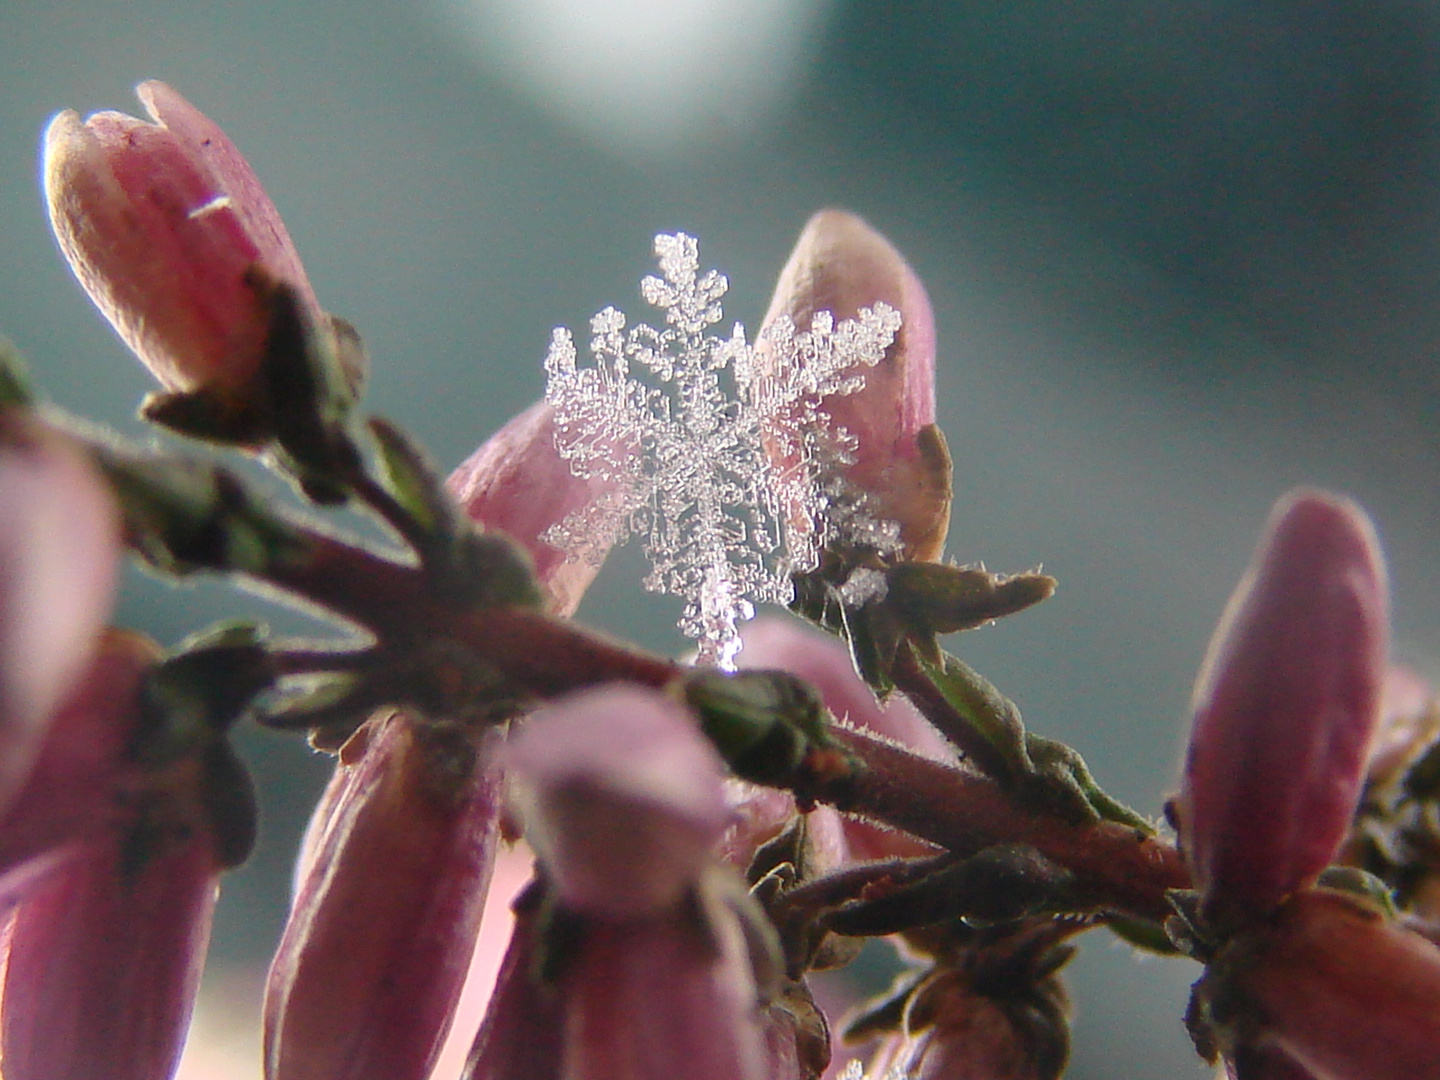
x=105, y=958
x=644, y=999
x=621, y=798
x=370, y=967
x=517, y=483
x=1285, y=708
x=162, y=222
x=823, y=661
x=1335, y=988
x=59, y=546
x=72, y=793
x=840, y=265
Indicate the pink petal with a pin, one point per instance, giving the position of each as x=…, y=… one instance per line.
x=823, y=661
x=161, y=223
x=514, y=868
x=650, y=1000
x=1345, y=993
x=523, y=1032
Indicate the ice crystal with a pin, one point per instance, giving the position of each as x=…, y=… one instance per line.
x=724, y=461
x=854, y=1070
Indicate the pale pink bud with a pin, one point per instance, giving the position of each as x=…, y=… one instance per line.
x=163, y=221
x=517, y=483
x=823, y=661
x=366, y=979
x=759, y=813
x=621, y=798
x=72, y=793
x=840, y=265
x=59, y=547
x=1339, y=990
x=104, y=960
x=1285, y=708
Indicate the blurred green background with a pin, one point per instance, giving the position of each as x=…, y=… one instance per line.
x=1183, y=257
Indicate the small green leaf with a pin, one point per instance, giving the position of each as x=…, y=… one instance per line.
x=1065, y=777
x=987, y=711
x=764, y=723
x=14, y=377
x=408, y=474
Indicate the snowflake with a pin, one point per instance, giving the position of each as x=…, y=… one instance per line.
x=732, y=485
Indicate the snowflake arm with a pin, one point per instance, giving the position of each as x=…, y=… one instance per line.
x=726, y=467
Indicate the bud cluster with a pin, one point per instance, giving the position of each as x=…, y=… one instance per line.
x=703, y=841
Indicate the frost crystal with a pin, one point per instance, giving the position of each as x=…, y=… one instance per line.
x=732, y=485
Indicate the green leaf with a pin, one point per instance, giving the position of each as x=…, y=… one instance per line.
x=410, y=477
x=14, y=378
x=764, y=723
x=987, y=711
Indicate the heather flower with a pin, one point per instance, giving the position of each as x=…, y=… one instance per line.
x=1301, y=980
x=840, y=265
x=514, y=869
x=105, y=955
x=427, y=796
x=1332, y=987
x=59, y=545
x=518, y=483
x=73, y=793
x=166, y=226
x=391, y=890
x=522, y=1035
x=621, y=798
x=1285, y=710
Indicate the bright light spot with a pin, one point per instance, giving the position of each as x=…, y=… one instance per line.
x=647, y=74
x=220, y=202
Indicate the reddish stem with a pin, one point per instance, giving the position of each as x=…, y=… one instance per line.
x=539, y=654
x=1118, y=869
